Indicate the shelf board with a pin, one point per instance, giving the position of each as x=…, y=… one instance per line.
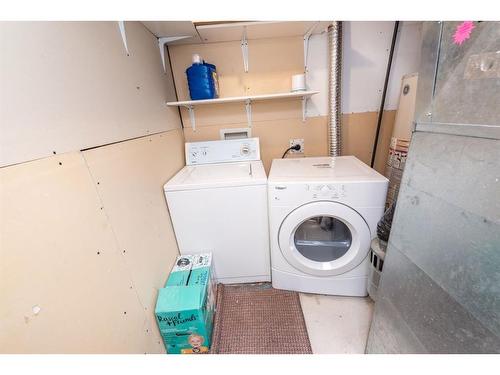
x=162, y=29
x=226, y=32
x=249, y=98
x=232, y=31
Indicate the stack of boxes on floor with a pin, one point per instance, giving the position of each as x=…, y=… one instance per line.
x=186, y=305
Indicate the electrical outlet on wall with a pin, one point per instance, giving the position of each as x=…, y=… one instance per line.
x=300, y=142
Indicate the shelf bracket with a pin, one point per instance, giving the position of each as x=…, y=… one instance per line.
x=307, y=36
x=304, y=108
x=121, y=25
x=161, y=44
x=306, y=49
x=248, y=109
x=244, y=49
x=190, y=109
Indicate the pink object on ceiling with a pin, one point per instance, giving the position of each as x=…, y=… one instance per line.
x=463, y=31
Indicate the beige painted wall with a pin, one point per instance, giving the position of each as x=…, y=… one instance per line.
x=85, y=237
x=272, y=62
x=358, y=133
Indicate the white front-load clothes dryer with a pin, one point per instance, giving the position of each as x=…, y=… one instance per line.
x=323, y=213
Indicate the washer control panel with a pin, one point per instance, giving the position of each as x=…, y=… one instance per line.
x=233, y=150
x=326, y=191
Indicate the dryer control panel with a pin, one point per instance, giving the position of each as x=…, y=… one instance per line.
x=300, y=193
x=226, y=151
x=354, y=194
x=326, y=191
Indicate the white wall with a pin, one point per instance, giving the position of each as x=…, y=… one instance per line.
x=68, y=86
x=366, y=48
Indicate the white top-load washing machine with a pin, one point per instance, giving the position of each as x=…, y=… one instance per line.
x=218, y=203
x=323, y=213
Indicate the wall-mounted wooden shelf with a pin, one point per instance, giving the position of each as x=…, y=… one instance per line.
x=253, y=98
x=190, y=104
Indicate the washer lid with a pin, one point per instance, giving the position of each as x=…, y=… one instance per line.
x=217, y=175
x=340, y=168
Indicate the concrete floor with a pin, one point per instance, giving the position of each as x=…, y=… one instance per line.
x=337, y=324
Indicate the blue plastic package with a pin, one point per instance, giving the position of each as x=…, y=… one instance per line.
x=202, y=80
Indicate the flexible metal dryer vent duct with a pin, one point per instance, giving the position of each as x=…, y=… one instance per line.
x=334, y=87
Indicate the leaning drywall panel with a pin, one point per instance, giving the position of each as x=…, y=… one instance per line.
x=65, y=285
x=403, y=123
x=406, y=59
x=129, y=178
x=67, y=86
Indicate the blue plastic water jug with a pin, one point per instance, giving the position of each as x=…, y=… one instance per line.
x=202, y=80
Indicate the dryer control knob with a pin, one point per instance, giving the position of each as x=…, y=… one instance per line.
x=245, y=150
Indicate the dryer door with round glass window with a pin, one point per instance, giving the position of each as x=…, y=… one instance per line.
x=324, y=238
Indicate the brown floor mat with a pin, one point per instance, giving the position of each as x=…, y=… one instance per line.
x=257, y=319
